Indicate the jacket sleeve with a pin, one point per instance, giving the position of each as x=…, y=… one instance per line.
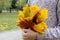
x=52, y=33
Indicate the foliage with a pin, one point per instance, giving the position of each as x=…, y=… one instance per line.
x=33, y=17
x=6, y=4
x=8, y=21
x=21, y=3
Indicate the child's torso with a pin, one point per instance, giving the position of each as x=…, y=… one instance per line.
x=51, y=6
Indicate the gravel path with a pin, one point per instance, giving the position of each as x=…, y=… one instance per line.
x=11, y=35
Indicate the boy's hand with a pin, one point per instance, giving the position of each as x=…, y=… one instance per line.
x=29, y=34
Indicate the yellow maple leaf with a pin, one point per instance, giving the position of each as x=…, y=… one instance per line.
x=40, y=27
x=20, y=16
x=26, y=10
x=34, y=9
x=43, y=15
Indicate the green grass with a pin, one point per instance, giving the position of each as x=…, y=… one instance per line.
x=8, y=21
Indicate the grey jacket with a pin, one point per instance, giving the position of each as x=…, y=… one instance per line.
x=53, y=21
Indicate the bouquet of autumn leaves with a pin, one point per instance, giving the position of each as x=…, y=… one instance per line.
x=33, y=18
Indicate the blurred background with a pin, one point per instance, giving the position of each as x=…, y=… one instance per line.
x=9, y=13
